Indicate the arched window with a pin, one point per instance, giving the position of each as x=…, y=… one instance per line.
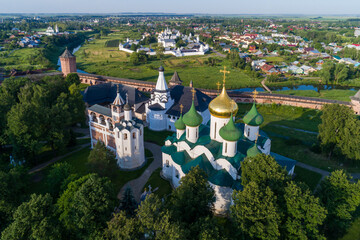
x=125, y=136
x=111, y=127
x=93, y=117
x=102, y=120
x=134, y=135
x=140, y=132
x=225, y=147
x=167, y=163
x=248, y=132
x=215, y=130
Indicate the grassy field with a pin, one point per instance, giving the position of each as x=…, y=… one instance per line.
x=78, y=161
x=334, y=94
x=274, y=59
x=353, y=232
x=95, y=57
x=288, y=128
x=22, y=59
x=156, y=137
x=306, y=176
x=155, y=181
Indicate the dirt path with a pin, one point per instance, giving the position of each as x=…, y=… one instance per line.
x=263, y=84
x=137, y=185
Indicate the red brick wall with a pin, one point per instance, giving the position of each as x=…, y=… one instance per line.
x=111, y=141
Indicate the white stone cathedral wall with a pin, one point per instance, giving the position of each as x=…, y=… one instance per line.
x=192, y=134
x=252, y=134
x=223, y=198
x=229, y=148
x=215, y=125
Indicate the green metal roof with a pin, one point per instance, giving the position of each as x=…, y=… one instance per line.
x=179, y=124
x=253, y=151
x=230, y=132
x=221, y=178
x=253, y=117
x=192, y=118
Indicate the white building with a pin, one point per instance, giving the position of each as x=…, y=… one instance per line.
x=163, y=107
x=119, y=131
x=217, y=148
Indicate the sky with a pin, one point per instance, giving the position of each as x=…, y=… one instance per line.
x=308, y=7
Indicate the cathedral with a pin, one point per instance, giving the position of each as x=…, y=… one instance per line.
x=122, y=133
x=163, y=107
x=218, y=147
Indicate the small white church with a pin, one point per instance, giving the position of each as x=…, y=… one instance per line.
x=119, y=131
x=218, y=148
x=163, y=107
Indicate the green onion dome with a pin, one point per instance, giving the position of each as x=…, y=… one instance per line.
x=192, y=118
x=253, y=151
x=230, y=132
x=179, y=124
x=253, y=117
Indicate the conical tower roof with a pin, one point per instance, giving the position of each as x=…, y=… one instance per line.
x=175, y=79
x=230, y=132
x=67, y=54
x=192, y=118
x=161, y=82
x=253, y=117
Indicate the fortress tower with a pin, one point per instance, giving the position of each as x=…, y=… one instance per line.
x=68, y=62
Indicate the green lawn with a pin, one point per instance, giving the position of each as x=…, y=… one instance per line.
x=95, y=57
x=274, y=59
x=284, y=125
x=306, y=176
x=334, y=94
x=156, y=137
x=294, y=117
x=156, y=181
x=353, y=232
x=22, y=59
x=78, y=161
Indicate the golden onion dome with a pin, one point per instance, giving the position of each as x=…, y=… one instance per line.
x=223, y=106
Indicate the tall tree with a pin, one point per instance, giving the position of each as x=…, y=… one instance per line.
x=101, y=160
x=194, y=198
x=339, y=131
x=58, y=173
x=155, y=220
x=265, y=171
x=304, y=214
x=34, y=219
x=86, y=205
x=120, y=227
x=341, y=198
x=255, y=212
x=128, y=203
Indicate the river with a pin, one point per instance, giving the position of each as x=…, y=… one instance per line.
x=316, y=88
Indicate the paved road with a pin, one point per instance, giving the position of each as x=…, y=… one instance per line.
x=137, y=185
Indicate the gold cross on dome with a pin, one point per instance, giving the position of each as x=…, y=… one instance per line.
x=225, y=72
x=255, y=93
x=181, y=108
x=257, y=136
x=218, y=86
x=193, y=93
